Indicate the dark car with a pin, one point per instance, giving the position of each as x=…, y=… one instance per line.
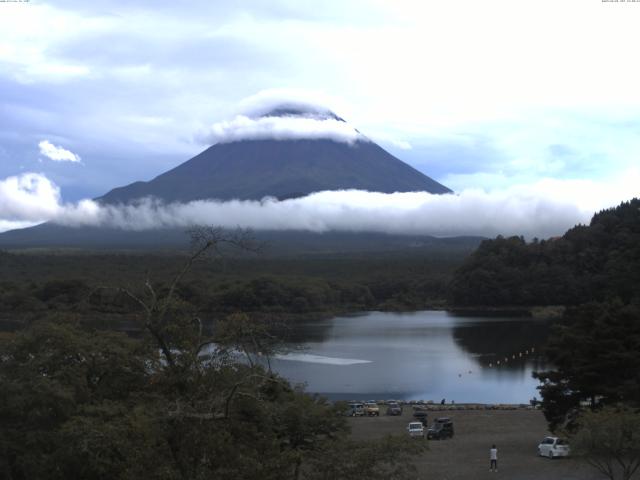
x=442, y=428
x=421, y=416
x=394, y=409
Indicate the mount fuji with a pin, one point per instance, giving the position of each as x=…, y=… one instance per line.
x=285, y=152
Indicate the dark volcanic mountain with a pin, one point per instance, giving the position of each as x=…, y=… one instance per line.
x=253, y=169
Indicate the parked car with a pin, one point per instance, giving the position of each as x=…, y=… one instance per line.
x=553, y=447
x=394, y=409
x=422, y=416
x=371, y=409
x=356, y=410
x=415, y=429
x=442, y=428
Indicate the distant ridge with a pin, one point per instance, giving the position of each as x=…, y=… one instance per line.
x=292, y=242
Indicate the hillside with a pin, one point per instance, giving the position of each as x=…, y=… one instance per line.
x=588, y=263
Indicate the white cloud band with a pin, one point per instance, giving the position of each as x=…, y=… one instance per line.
x=281, y=128
x=542, y=209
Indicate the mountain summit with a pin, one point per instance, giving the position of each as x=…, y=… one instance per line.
x=285, y=152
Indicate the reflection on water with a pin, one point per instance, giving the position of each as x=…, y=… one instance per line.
x=420, y=355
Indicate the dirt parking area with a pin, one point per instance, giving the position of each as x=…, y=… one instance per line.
x=516, y=433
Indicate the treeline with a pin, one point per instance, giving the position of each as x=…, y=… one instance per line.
x=264, y=293
x=90, y=285
x=594, y=262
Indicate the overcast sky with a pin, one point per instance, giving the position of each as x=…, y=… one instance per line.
x=476, y=94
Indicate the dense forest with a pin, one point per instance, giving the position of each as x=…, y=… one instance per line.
x=86, y=284
x=588, y=263
x=107, y=370
x=172, y=402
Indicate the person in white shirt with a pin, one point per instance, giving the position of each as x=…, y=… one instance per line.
x=493, y=456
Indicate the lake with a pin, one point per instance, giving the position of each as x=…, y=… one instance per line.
x=427, y=355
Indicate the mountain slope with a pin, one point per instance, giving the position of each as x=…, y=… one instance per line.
x=253, y=169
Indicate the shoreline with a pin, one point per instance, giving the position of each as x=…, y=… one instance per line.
x=438, y=407
x=547, y=312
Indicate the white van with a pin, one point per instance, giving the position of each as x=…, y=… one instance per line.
x=415, y=429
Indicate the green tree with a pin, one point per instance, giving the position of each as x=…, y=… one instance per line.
x=596, y=355
x=609, y=441
x=51, y=373
x=255, y=337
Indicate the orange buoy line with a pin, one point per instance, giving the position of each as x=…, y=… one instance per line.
x=503, y=361
x=506, y=359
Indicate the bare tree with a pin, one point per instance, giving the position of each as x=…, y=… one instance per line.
x=206, y=242
x=255, y=338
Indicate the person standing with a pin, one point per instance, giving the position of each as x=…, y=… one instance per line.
x=493, y=457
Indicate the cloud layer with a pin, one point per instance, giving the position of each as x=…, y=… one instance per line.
x=301, y=114
x=542, y=209
x=57, y=154
x=281, y=128
x=28, y=197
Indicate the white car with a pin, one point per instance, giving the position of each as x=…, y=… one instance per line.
x=553, y=447
x=415, y=429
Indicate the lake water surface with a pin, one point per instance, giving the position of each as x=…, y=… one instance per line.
x=427, y=355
